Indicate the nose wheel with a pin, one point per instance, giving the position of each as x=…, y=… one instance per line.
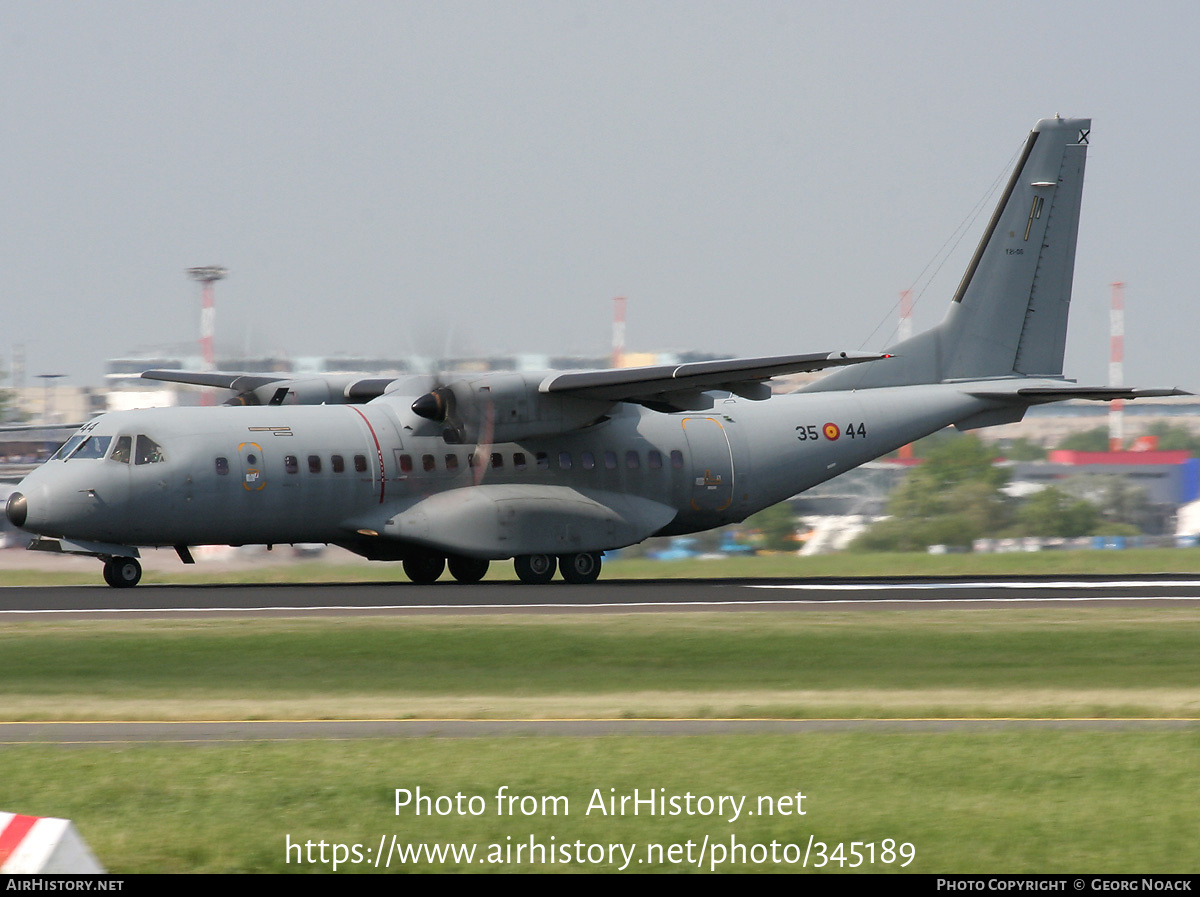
x=122, y=573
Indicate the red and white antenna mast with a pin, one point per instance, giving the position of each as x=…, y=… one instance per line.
x=1116, y=364
x=207, y=276
x=618, y=339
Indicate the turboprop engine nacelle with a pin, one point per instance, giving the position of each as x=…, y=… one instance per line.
x=505, y=408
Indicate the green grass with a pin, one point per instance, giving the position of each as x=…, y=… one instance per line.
x=1010, y=800
x=1015, y=801
x=1025, y=662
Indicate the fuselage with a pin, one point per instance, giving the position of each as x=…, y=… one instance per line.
x=366, y=475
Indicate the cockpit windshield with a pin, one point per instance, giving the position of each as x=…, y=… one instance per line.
x=67, y=447
x=90, y=447
x=94, y=448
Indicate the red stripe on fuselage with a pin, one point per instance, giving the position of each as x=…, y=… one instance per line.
x=378, y=453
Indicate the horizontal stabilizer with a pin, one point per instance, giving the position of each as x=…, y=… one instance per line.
x=674, y=385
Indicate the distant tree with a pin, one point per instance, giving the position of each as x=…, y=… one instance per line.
x=1023, y=449
x=776, y=526
x=1051, y=512
x=1093, y=440
x=1120, y=502
x=953, y=498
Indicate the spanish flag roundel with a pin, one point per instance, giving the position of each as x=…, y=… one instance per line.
x=831, y=431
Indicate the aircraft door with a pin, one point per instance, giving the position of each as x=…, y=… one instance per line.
x=253, y=467
x=712, y=463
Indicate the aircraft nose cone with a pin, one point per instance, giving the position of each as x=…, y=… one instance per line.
x=17, y=509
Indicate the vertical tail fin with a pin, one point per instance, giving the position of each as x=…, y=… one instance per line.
x=1009, y=313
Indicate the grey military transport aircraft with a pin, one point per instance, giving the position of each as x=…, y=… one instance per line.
x=553, y=469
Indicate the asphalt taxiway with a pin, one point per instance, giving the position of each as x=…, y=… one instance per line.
x=606, y=596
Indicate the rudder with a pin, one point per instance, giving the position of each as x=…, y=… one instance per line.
x=1008, y=316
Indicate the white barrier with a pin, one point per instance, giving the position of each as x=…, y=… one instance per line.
x=32, y=844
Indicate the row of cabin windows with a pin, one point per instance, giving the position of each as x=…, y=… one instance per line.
x=291, y=464
x=520, y=461
x=541, y=460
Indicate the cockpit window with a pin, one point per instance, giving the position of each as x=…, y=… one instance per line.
x=93, y=448
x=148, y=451
x=67, y=447
x=123, y=450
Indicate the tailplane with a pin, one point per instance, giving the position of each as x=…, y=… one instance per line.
x=1008, y=317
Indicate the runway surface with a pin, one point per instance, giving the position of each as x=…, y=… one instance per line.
x=611, y=596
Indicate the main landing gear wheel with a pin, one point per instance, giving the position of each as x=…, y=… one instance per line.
x=122, y=573
x=580, y=568
x=468, y=569
x=535, y=569
x=424, y=568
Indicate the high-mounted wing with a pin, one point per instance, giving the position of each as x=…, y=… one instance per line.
x=508, y=407
x=678, y=387
x=276, y=389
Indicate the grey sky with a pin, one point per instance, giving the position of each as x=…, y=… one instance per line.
x=755, y=177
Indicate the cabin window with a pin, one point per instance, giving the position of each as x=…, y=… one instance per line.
x=519, y=461
x=497, y=460
x=473, y=460
x=148, y=451
x=610, y=460
x=677, y=459
x=360, y=463
x=222, y=465
x=452, y=462
x=338, y=463
x=123, y=450
x=564, y=460
x=406, y=464
x=654, y=459
x=428, y=463
x=587, y=460
x=543, y=461
x=633, y=460
x=314, y=463
x=291, y=464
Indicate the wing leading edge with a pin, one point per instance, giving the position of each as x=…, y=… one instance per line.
x=676, y=387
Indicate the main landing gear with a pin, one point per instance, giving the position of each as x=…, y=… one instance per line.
x=536, y=569
x=122, y=573
x=426, y=567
